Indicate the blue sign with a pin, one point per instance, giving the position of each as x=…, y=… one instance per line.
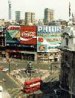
x=49, y=29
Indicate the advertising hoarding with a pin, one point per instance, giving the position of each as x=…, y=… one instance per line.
x=13, y=34
x=28, y=35
x=48, y=38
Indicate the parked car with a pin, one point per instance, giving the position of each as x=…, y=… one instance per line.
x=5, y=69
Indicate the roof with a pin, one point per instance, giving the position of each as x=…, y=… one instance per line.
x=70, y=30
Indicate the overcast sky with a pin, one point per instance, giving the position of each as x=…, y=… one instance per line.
x=59, y=6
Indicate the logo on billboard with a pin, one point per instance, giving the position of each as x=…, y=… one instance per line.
x=42, y=48
x=25, y=36
x=49, y=29
x=13, y=28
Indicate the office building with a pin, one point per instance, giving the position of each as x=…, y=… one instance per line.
x=48, y=15
x=33, y=18
x=29, y=18
x=17, y=16
x=67, y=73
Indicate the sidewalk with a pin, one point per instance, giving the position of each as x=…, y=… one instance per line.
x=6, y=94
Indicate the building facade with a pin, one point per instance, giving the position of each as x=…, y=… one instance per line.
x=2, y=40
x=29, y=18
x=48, y=15
x=67, y=73
x=17, y=16
x=33, y=18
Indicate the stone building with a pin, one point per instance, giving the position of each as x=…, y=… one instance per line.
x=67, y=73
x=29, y=18
x=48, y=16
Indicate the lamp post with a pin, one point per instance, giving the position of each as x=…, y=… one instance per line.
x=29, y=69
x=9, y=67
x=8, y=60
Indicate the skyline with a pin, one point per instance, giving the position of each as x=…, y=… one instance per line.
x=60, y=7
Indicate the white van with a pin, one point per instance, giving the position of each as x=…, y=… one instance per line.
x=1, y=92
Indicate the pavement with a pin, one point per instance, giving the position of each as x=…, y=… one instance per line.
x=6, y=94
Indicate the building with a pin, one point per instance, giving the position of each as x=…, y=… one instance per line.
x=67, y=73
x=33, y=18
x=2, y=40
x=29, y=18
x=34, y=42
x=17, y=16
x=2, y=36
x=48, y=15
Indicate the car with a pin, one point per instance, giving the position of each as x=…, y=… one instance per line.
x=5, y=69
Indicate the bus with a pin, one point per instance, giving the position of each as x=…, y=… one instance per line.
x=33, y=85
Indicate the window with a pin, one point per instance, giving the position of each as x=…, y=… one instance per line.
x=66, y=41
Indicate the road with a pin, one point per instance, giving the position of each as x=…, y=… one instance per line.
x=9, y=84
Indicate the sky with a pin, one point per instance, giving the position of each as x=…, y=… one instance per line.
x=60, y=7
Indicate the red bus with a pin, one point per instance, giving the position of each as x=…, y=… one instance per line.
x=32, y=85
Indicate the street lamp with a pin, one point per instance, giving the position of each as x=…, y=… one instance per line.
x=29, y=69
x=8, y=60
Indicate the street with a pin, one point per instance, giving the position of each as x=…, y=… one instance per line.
x=13, y=85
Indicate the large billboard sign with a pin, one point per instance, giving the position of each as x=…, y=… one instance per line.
x=28, y=35
x=48, y=38
x=13, y=35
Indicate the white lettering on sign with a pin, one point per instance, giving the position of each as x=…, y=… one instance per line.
x=35, y=84
x=49, y=29
x=13, y=28
x=28, y=34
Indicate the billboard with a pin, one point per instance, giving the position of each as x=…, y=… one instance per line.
x=28, y=35
x=48, y=38
x=13, y=35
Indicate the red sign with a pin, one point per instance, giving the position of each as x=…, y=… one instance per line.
x=13, y=28
x=28, y=35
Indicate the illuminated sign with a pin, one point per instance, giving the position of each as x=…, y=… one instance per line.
x=48, y=38
x=49, y=29
x=28, y=35
x=13, y=28
x=13, y=34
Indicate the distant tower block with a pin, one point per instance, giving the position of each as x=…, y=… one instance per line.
x=9, y=8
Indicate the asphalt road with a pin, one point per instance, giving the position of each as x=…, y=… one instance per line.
x=9, y=84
